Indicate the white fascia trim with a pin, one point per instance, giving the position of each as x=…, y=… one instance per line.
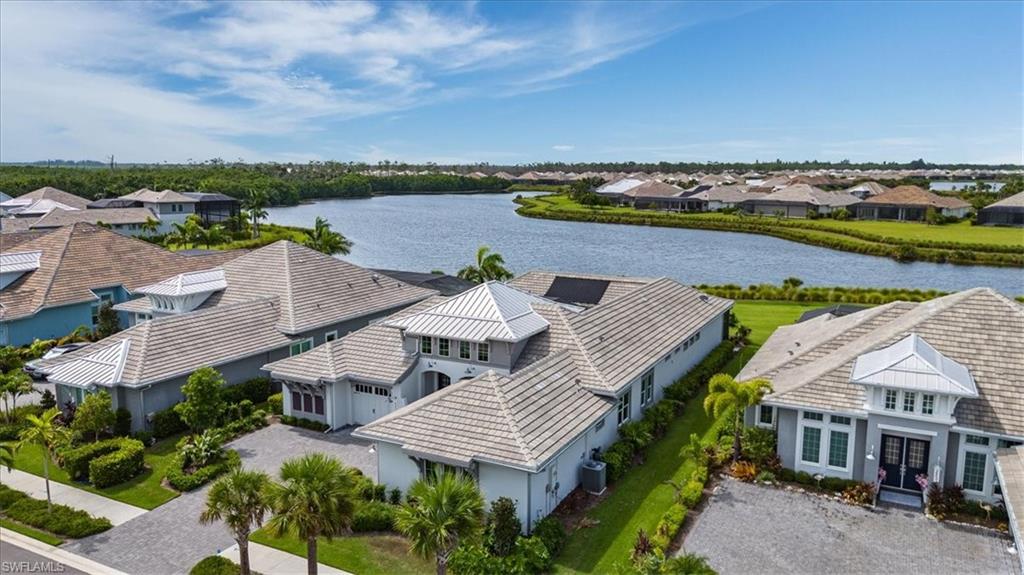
x=974, y=431
x=900, y=429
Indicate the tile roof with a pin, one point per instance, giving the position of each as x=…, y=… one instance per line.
x=314, y=289
x=163, y=197
x=443, y=283
x=915, y=196
x=176, y=345
x=730, y=193
x=810, y=363
x=538, y=282
x=912, y=363
x=654, y=189
x=807, y=194
x=114, y=216
x=188, y=283
x=79, y=258
x=11, y=226
x=39, y=208
x=1010, y=467
x=490, y=311
x=1014, y=201
x=871, y=188
x=50, y=193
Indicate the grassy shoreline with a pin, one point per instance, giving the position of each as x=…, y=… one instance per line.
x=903, y=241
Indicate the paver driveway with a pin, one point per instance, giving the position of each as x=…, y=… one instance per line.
x=756, y=529
x=170, y=540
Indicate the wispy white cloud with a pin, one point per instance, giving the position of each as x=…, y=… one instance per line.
x=563, y=147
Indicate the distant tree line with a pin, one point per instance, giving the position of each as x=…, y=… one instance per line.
x=280, y=186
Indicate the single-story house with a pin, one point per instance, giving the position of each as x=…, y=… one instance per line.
x=615, y=190
x=56, y=281
x=657, y=195
x=899, y=395
x=274, y=302
x=797, y=201
x=729, y=196
x=511, y=387
x=865, y=190
x=1006, y=212
x=909, y=203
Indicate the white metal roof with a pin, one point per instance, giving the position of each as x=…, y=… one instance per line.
x=912, y=363
x=620, y=186
x=41, y=207
x=203, y=281
x=491, y=310
x=19, y=261
x=102, y=367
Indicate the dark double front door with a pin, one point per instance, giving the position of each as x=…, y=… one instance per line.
x=903, y=459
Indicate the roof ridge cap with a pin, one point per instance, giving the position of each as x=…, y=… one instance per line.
x=288, y=285
x=583, y=349
x=490, y=376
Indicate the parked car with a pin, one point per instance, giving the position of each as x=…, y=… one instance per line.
x=30, y=367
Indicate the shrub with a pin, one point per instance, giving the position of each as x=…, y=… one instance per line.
x=146, y=437
x=503, y=526
x=859, y=494
x=660, y=415
x=9, y=496
x=373, y=516
x=118, y=466
x=47, y=401
x=304, y=423
x=744, y=471
x=255, y=390
x=122, y=422
x=60, y=520
x=94, y=415
x=183, y=481
x=276, y=402
x=759, y=445
x=200, y=450
x=76, y=460
x=215, y=565
x=642, y=546
x=765, y=476
x=167, y=423
x=787, y=475
x=687, y=386
x=637, y=434
x=530, y=556
x=668, y=526
x=834, y=484
x=256, y=420
x=945, y=502
x=618, y=457
x=700, y=475
x=691, y=494
x=804, y=478
x=550, y=531
x=395, y=496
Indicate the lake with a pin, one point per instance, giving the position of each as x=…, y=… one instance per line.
x=443, y=231
x=947, y=186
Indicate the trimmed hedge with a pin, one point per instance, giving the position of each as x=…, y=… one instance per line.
x=256, y=390
x=182, y=481
x=118, y=466
x=276, y=403
x=304, y=423
x=61, y=520
x=374, y=516
x=252, y=422
x=215, y=565
x=671, y=521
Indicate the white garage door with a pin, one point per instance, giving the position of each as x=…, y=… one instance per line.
x=369, y=402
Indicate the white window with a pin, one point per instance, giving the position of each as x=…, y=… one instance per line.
x=426, y=345
x=463, y=350
x=890, y=400
x=647, y=388
x=909, y=401
x=927, y=403
x=765, y=415
x=483, y=352
x=300, y=346
x=443, y=346
x=624, y=406
x=331, y=336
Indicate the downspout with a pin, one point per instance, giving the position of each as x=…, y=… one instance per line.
x=529, y=504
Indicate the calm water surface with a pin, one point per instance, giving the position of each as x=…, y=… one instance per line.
x=442, y=232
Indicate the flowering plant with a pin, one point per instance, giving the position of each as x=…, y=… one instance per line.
x=881, y=474
x=922, y=481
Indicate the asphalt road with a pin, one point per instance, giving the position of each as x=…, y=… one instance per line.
x=14, y=559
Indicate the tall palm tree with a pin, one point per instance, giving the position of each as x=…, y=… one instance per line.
x=150, y=226
x=316, y=499
x=324, y=240
x=14, y=384
x=43, y=431
x=189, y=233
x=254, y=203
x=725, y=393
x=489, y=266
x=213, y=235
x=442, y=510
x=241, y=500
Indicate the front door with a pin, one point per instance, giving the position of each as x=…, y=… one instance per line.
x=903, y=459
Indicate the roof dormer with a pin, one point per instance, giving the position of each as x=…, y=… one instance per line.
x=184, y=292
x=14, y=265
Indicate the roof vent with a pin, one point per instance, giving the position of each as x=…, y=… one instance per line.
x=375, y=277
x=704, y=298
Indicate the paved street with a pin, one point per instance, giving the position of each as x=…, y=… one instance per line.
x=14, y=559
x=170, y=539
x=756, y=529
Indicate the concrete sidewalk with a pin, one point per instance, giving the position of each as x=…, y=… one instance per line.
x=32, y=553
x=91, y=503
x=269, y=560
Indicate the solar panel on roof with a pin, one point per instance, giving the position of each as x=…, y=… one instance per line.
x=577, y=290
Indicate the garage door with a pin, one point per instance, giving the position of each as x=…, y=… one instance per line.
x=369, y=402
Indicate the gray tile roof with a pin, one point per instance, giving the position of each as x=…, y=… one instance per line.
x=1014, y=201
x=538, y=282
x=1010, y=467
x=163, y=197
x=114, y=216
x=60, y=196
x=809, y=364
x=807, y=194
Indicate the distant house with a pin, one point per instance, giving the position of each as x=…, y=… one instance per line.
x=657, y=195
x=127, y=221
x=214, y=208
x=797, y=201
x=274, y=302
x=40, y=202
x=867, y=189
x=615, y=190
x=171, y=207
x=729, y=196
x=899, y=395
x=55, y=282
x=1006, y=212
x=909, y=203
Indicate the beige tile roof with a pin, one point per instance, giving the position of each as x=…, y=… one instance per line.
x=314, y=289
x=654, y=189
x=1014, y=201
x=915, y=196
x=810, y=364
x=59, y=196
x=807, y=194
x=177, y=345
x=163, y=197
x=538, y=282
x=15, y=226
x=81, y=257
x=520, y=421
x=114, y=216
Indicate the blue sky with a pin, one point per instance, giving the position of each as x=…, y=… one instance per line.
x=512, y=82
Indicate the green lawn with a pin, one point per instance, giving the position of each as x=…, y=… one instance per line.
x=376, y=554
x=32, y=532
x=142, y=491
x=762, y=317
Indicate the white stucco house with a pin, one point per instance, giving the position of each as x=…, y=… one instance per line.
x=517, y=384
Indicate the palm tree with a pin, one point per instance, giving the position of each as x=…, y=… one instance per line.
x=441, y=511
x=44, y=432
x=725, y=393
x=7, y=455
x=323, y=240
x=316, y=499
x=254, y=203
x=213, y=235
x=489, y=266
x=150, y=226
x=240, y=500
x=189, y=233
x=14, y=384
